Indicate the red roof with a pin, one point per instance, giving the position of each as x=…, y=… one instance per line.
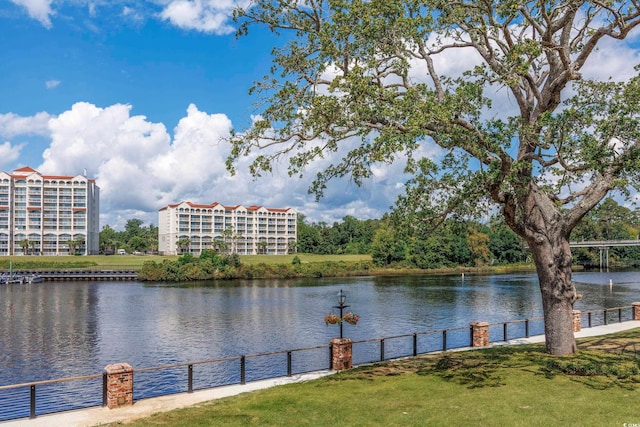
x=214, y=204
x=21, y=172
x=25, y=169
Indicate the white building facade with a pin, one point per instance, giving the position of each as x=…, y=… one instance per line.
x=232, y=229
x=48, y=215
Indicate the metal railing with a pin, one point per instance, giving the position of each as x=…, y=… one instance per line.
x=606, y=316
x=44, y=397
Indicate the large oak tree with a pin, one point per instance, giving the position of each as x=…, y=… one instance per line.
x=367, y=79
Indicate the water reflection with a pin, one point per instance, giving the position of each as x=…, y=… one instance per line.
x=47, y=327
x=61, y=329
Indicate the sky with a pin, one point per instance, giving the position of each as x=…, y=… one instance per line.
x=140, y=94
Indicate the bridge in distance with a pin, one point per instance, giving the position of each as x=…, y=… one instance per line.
x=604, y=246
x=603, y=243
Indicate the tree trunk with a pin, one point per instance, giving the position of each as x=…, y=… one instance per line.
x=552, y=258
x=536, y=218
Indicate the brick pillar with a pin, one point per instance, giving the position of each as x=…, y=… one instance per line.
x=636, y=310
x=479, y=334
x=341, y=356
x=577, y=326
x=119, y=385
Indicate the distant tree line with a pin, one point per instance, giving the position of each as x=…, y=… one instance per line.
x=456, y=242
x=136, y=237
x=460, y=242
x=351, y=236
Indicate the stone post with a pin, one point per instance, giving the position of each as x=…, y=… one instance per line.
x=119, y=385
x=479, y=334
x=341, y=354
x=577, y=326
x=636, y=310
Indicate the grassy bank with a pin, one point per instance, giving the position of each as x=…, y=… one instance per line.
x=136, y=261
x=253, y=266
x=510, y=386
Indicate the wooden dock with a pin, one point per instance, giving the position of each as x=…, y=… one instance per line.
x=67, y=275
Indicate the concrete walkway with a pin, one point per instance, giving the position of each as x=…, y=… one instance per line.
x=145, y=407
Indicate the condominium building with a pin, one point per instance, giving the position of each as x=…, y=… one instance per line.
x=48, y=215
x=187, y=227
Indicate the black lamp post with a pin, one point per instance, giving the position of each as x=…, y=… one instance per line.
x=342, y=297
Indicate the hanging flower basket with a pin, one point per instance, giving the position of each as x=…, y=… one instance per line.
x=332, y=319
x=351, y=318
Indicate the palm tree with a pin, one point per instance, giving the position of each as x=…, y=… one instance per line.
x=110, y=246
x=230, y=240
x=184, y=244
x=80, y=241
x=221, y=246
x=71, y=244
x=262, y=247
x=32, y=246
x=24, y=243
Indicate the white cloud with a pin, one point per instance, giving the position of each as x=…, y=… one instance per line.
x=9, y=154
x=51, y=84
x=140, y=169
x=620, y=59
x=12, y=125
x=39, y=10
x=194, y=163
x=132, y=14
x=113, y=147
x=209, y=16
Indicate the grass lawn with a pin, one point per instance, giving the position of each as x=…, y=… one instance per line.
x=136, y=261
x=305, y=258
x=500, y=386
x=90, y=261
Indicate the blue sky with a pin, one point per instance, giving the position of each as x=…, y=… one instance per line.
x=139, y=93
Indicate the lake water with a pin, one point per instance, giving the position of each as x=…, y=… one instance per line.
x=63, y=329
